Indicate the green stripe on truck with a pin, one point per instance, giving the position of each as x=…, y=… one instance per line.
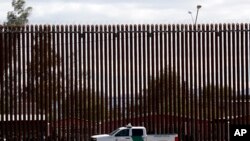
x=137, y=138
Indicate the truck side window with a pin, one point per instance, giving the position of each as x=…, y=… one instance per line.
x=124, y=132
x=137, y=132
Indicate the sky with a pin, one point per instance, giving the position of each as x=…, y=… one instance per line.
x=132, y=11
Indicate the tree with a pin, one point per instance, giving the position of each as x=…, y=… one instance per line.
x=55, y=90
x=216, y=98
x=20, y=14
x=90, y=105
x=167, y=95
x=17, y=17
x=165, y=92
x=43, y=81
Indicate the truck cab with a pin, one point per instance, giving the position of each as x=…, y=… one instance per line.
x=128, y=133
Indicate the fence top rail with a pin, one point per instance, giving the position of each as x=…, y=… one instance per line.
x=129, y=31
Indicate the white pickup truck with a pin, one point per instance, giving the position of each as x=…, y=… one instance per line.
x=133, y=133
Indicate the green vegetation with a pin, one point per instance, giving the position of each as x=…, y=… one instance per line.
x=19, y=16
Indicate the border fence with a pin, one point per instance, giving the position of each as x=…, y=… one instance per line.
x=70, y=82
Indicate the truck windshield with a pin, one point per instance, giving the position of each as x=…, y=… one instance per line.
x=112, y=133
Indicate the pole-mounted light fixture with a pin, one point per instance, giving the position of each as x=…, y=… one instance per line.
x=189, y=12
x=198, y=8
x=197, y=13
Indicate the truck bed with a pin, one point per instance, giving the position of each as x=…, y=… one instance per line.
x=169, y=137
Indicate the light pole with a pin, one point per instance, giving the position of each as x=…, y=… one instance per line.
x=198, y=8
x=189, y=12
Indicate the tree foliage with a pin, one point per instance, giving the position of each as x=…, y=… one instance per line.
x=216, y=99
x=55, y=90
x=44, y=80
x=166, y=92
x=8, y=39
x=19, y=16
